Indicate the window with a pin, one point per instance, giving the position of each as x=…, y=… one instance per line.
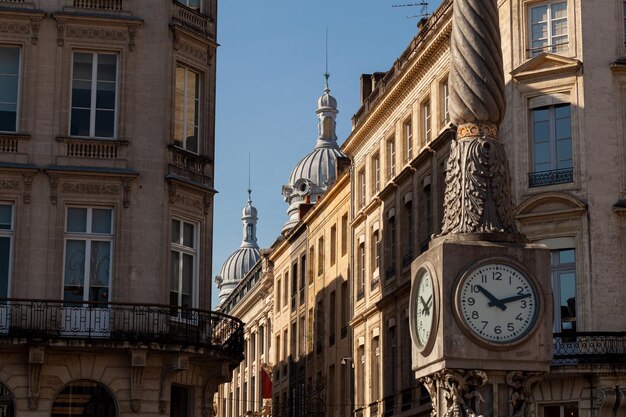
x=332, y=320
x=302, y=347
x=345, y=296
x=362, y=188
x=187, y=117
x=72, y=400
x=319, y=326
x=375, y=250
x=6, y=246
x=278, y=298
x=552, y=145
x=88, y=244
x=560, y=410
x=94, y=95
x=294, y=284
x=391, y=157
x=344, y=234
x=564, y=288
x=390, y=261
x=182, y=401
x=391, y=359
x=9, y=87
x=407, y=131
x=361, y=271
x=376, y=178
x=302, y=277
x=294, y=339
x=624, y=13
x=184, y=254
x=333, y=244
x=375, y=368
x=320, y=256
x=285, y=289
x=426, y=129
x=311, y=260
x=277, y=355
x=445, y=109
x=360, y=386
x=192, y=4
x=425, y=218
x=409, y=229
x=548, y=27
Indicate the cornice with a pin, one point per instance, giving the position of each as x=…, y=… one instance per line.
x=546, y=65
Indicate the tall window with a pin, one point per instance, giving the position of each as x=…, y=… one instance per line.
x=285, y=289
x=320, y=256
x=376, y=178
x=311, y=261
x=391, y=157
x=360, y=386
x=192, y=4
x=294, y=284
x=345, y=305
x=390, y=261
x=278, y=297
x=319, y=326
x=332, y=320
x=362, y=188
x=552, y=145
x=94, y=95
x=375, y=368
x=361, y=271
x=344, y=234
x=333, y=244
x=184, y=253
x=88, y=244
x=9, y=87
x=187, y=117
x=564, y=288
x=409, y=228
x=375, y=250
x=302, y=277
x=6, y=238
x=302, y=334
x=407, y=131
x=548, y=27
x=445, y=109
x=182, y=401
x=426, y=128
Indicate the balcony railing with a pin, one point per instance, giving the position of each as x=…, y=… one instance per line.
x=589, y=348
x=99, y=4
x=188, y=165
x=149, y=323
x=192, y=18
x=92, y=148
x=556, y=176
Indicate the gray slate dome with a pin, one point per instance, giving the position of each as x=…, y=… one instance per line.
x=239, y=263
x=319, y=166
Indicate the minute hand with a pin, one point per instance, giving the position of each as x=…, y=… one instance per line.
x=510, y=299
x=493, y=300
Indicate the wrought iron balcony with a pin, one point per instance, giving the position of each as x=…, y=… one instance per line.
x=148, y=323
x=589, y=348
x=556, y=176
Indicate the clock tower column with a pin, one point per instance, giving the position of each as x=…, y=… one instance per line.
x=481, y=300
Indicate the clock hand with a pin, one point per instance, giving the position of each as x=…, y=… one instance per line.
x=511, y=299
x=430, y=299
x=493, y=300
x=426, y=308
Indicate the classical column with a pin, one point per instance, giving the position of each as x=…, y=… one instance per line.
x=478, y=185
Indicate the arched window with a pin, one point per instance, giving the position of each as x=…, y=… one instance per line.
x=249, y=230
x=7, y=403
x=84, y=399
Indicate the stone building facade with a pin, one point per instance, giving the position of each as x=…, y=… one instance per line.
x=564, y=136
x=106, y=192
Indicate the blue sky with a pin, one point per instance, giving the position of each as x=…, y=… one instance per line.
x=270, y=69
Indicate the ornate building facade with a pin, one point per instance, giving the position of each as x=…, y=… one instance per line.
x=564, y=136
x=106, y=192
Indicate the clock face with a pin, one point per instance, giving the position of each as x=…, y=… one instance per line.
x=423, y=308
x=497, y=303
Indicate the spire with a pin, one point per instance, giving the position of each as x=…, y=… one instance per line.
x=326, y=111
x=249, y=218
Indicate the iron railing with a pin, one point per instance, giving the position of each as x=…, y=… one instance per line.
x=589, y=347
x=151, y=323
x=556, y=176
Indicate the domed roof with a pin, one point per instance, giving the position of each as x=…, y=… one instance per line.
x=239, y=263
x=319, y=166
x=326, y=100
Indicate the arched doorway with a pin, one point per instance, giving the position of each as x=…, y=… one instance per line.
x=84, y=399
x=7, y=403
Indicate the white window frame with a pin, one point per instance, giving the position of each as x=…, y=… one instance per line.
x=19, y=88
x=362, y=188
x=89, y=237
x=185, y=250
x=391, y=157
x=445, y=107
x=426, y=112
x=549, y=47
x=187, y=70
x=9, y=233
x=407, y=131
x=186, y=4
x=94, y=89
x=376, y=164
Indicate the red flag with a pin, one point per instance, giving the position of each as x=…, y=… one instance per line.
x=266, y=384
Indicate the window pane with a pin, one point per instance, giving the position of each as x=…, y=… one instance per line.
x=105, y=96
x=9, y=60
x=175, y=231
x=188, y=235
x=105, y=123
x=542, y=153
x=564, y=153
x=552, y=411
x=187, y=273
x=5, y=216
x=174, y=276
x=8, y=88
x=568, y=300
x=81, y=94
x=8, y=117
x=83, y=66
x=77, y=220
x=101, y=221
x=567, y=256
x=80, y=122
x=570, y=410
x=107, y=67
x=74, y=278
x=559, y=10
x=5, y=260
x=100, y=271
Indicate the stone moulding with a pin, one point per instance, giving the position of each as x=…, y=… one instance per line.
x=105, y=28
x=22, y=22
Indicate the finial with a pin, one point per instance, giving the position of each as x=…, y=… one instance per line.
x=326, y=74
x=249, y=187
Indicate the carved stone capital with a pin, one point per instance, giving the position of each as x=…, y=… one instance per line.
x=477, y=130
x=431, y=386
x=462, y=391
x=522, y=385
x=138, y=363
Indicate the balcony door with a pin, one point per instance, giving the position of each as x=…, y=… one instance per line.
x=87, y=271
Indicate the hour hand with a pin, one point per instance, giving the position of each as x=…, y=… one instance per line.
x=493, y=301
x=511, y=299
x=425, y=305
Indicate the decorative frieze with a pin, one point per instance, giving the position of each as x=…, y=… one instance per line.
x=96, y=33
x=90, y=188
x=80, y=27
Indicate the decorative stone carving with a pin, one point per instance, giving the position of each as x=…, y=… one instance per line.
x=431, y=386
x=9, y=184
x=90, y=188
x=28, y=182
x=54, y=185
x=478, y=185
x=95, y=33
x=34, y=29
x=522, y=385
x=138, y=363
x=36, y=358
x=126, y=185
x=14, y=27
x=461, y=391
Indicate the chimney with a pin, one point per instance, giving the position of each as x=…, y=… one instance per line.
x=366, y=86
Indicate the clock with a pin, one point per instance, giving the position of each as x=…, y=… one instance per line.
x=423, y=307
x=496, y=302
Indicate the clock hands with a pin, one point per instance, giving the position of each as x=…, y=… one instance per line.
x=510, y=299
x=426, y=305
x=493, y=301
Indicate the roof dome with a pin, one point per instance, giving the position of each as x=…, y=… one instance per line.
x=318, y=167
x=326, y=100
x=243, y=259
